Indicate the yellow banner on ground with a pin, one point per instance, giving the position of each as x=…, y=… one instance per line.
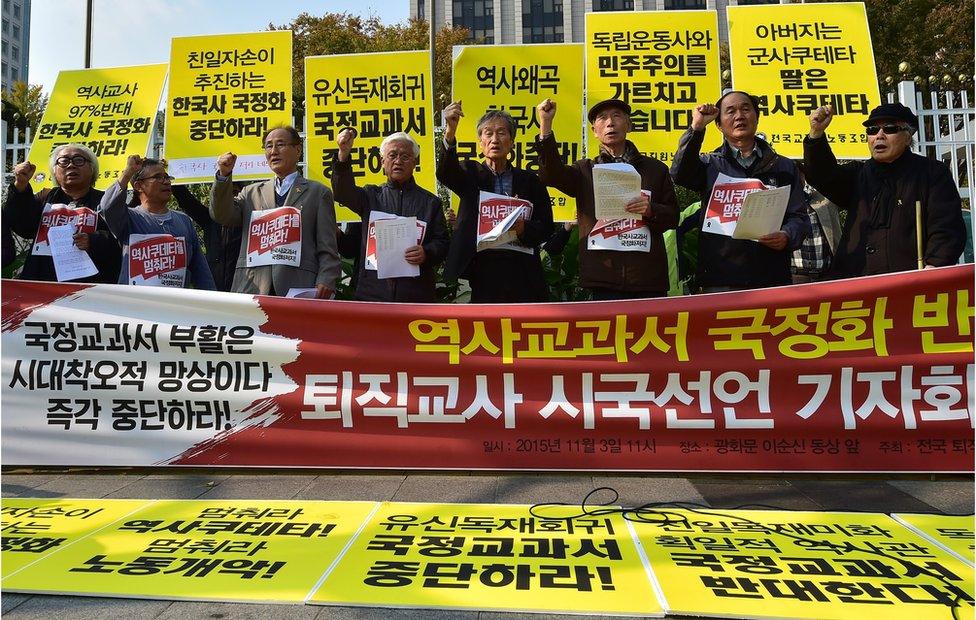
x=662, y=63
x=772, y=564
x=515, y=78
x=35, y=528
x=957, y=534
x=492, y=557
x=226, y=92
x=225, y=550
x=111, y=110
x=798, y=57
x=376, y=94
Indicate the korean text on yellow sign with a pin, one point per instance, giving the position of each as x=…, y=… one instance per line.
x=798, y=57
x=112, y=111
x=475, y=556
x=376, y=94
x=773, y=564
x=226, y=92
x=237, y=550
x=515, y=78
x=662, y=63
x=955, y=533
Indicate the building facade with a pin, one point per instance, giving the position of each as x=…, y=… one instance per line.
x=15, y=37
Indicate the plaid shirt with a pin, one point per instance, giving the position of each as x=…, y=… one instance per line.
x=813, y=256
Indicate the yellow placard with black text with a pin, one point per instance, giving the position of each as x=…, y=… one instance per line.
x=663, y=64
x=955, y=533
x=112, y=111
x=223, y=550
x=377, y=94
x=226, y=92
x=515, y=78
x=492, y=557
x=777, y=564
x=798, y=57
x=35, y=528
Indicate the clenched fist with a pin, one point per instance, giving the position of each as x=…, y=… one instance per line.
x=544, y=113
x=23, y=173
x=225, y=164
x=820, y=119
x=702, y=115
x=345, y=141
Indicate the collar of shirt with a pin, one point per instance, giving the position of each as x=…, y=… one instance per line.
x=746, y=160
x=283, y=186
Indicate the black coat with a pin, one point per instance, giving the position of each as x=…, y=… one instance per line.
x=221, y=243
x=879, y=233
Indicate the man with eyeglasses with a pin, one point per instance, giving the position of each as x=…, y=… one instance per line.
x=75, y=201
x=295, y=215
x=880, y=196
x=400, y=196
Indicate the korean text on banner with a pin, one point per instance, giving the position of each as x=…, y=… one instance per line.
x=662, y=63
x=112, y=111
x=515, y=78
x=957, y=534
x=225, y=93
x=798, y=57
x=377, y=95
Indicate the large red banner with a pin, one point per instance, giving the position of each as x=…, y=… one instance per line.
x=869, y=374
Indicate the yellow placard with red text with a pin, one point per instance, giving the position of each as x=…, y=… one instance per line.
x=110, y=110
x=515, y=78
x=662, y=63
x=377, y=94
x=798, y=57
x=226, y=92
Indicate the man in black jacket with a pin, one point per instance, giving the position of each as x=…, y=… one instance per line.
x=881, y=196
x=399, y=196
x=222, y=243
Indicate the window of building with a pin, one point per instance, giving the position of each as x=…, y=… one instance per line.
x=684, y=5
x=14, y=74
x=17, y=10
x=478, y=16
x=6, y=26
x=16, y=31
x=542, y=21
x=4, y=44
x=421, y=9
x=15, y=53
x=745, y=2
x=613, y=5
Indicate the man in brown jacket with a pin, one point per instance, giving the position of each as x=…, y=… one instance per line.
x=613, y=273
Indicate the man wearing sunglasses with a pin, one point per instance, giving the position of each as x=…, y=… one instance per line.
x=880, y=195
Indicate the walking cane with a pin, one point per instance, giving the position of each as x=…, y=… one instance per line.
x=918, y=234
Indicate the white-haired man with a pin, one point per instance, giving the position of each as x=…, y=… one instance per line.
x=400, y=196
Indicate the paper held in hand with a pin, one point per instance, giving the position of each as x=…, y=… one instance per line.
x=70, y=263
x=614, y=185
x=762, y=213
x=370, y=263
x=394, y=237
x=497, y=215
x=725, y=214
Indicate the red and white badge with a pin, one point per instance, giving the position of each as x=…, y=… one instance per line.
x=725, y=203
x=624, y=235
x=370, y=263
x=496, y=218
x=274, y=237
x=84, y=219
x=157, y=260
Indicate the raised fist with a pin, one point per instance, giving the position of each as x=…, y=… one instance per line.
x=820, y=119
x=23, y=173
x=225, y=164
x=702, y=115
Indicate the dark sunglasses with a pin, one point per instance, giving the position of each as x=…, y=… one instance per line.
x=890, y=129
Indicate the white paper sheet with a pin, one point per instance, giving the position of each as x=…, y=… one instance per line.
x=303, y=293
x=614, y=185
x=393, y=238
x=70, y=263
x=762, y=213
x=497, y=215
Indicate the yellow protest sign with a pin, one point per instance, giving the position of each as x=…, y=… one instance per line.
x=772, y=564
x=376, y=94
x=226, y=92
x=112, y=111
x=240, y=550
x=515, y=78
x=662, y=63
x=35, y=528
x=798, y=57
x=481, y=556
x=953, y=533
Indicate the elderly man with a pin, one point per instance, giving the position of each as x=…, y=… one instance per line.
x=400, y=196
x=289, y=223
x=512, y=272
x=613, y=273
x=74, y=201
x=880, y=197
x=725, y=263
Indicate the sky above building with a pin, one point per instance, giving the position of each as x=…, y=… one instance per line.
x=126, y=32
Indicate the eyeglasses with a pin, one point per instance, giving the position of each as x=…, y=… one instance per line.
x=277, y=146
x=398, y=155
x=77, y=160
x=157, y=177
x=889, y=129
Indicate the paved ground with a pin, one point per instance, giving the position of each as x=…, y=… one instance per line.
x=938, y=494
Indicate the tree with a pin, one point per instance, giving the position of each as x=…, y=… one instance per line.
x=23, y=105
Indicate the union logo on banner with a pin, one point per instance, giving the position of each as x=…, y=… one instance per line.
x=58, y=215
x=157, y=260
x=275, y=237
x=725, y=203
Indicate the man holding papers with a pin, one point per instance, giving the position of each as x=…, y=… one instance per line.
x=404, y=234
x=624, y=203
x=504, y=216
x=753, y=207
